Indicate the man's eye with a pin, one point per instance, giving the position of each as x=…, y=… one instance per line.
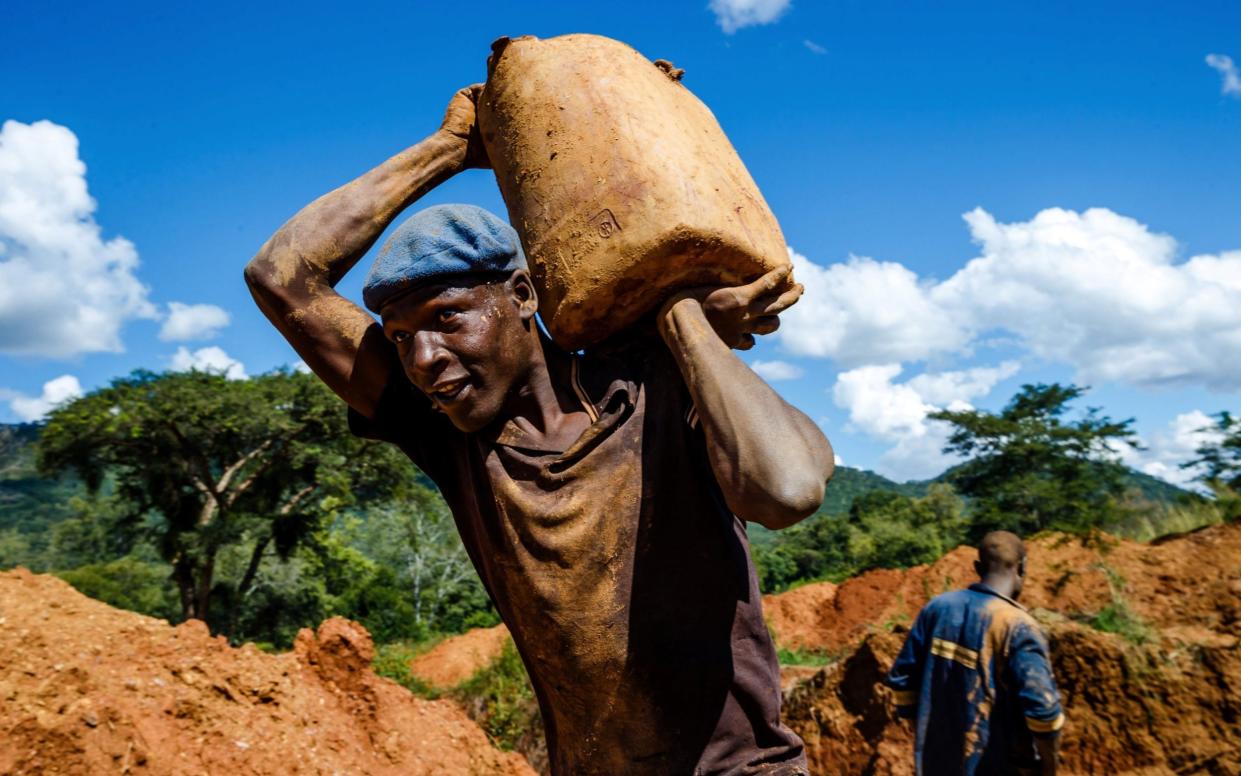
x=400, y=336
x=447, y=314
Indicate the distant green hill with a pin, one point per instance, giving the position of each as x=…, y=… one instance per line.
x=29, y=503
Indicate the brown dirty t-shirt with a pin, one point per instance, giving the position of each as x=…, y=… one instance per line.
x=625, y=580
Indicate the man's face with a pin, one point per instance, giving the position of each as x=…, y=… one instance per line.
x=464, y=345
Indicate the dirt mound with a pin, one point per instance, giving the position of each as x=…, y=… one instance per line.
x=1157, y=709
x=88, y=689
x=1172, y=583
x=1169, y=705
x=456, y=659
x=845, y=716
x=796, y=617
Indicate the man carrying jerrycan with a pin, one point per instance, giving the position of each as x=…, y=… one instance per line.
x=601, y=494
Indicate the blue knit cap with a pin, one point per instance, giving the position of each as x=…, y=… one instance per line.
x=440, y=242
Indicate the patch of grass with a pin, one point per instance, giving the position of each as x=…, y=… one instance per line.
x=392, y=661
x=500, y=699
x=1147, y=522
x=1117, y=617
x=900, y=618
x=803, y=657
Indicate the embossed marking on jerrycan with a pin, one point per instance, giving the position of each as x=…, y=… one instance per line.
x=620, y=182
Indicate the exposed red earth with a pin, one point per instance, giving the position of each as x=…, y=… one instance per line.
x=1170, y=705
x=88, y=689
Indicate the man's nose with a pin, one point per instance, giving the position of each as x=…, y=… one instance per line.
x=428, y=356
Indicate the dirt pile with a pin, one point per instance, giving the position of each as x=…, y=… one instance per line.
x=797, y=617
x=1173, y=583
x=456, y=659
x=88, y=689
x=1170, y=704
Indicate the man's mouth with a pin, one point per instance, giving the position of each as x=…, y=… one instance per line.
x=448, y=391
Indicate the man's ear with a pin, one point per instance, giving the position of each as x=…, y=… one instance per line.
x=522, y=289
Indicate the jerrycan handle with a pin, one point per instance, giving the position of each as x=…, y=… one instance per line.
x=497, y=49
x=669, y=69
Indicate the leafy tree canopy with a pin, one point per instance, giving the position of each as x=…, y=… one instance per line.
x=1220, y=459
x=201, y=463
x=1031, y=468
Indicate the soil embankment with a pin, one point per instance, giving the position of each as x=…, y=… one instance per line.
x=1164, y=700
x=457, y=658
x=88, y=689
x=1174, y=584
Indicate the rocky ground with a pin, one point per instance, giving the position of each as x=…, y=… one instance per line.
x=87, y=689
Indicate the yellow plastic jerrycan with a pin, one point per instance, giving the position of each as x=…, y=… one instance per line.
x=619, y=181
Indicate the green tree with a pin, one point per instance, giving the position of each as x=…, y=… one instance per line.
x=200, y=463
x=1031, y=468
x=128, y=583
x=417, y=539
x=1220, y=459
x=882, y=530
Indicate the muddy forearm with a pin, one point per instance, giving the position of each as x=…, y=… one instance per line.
x=771, y=461
x=327, y=237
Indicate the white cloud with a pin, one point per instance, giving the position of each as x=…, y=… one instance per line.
x=192, y=322
x=897, y=412
x=55, y=393
x=1101, y=292
x=814, y=47
x=1095, y=290
x=864, y=312
x=1230, y=79
x=732, y=15
x=210, y=359
x=64, y=290
x=777, y=370
x=1172, y=446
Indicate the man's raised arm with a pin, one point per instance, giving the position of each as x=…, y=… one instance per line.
x=293, y=276
x=771, y=461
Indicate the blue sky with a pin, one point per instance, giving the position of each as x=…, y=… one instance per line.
x=1094, y=145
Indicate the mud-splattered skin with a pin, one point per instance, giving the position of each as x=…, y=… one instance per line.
x=554, y=479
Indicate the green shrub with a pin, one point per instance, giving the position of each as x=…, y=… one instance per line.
x=392, y=661
x=128, y=583
x=500, y=699
x=1118, y=618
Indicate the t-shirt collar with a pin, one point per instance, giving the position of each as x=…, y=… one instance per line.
x=979, y=587
x=617, y=398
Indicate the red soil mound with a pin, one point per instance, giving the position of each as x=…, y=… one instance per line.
x=1171, y=705
x=796, y=617
x=1171, y=583
x=1148, y=710
x=456, y=659
x=88, y=689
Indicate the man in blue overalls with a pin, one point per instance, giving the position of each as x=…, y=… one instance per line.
x=975, y=676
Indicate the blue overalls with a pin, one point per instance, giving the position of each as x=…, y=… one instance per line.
x=976, y=676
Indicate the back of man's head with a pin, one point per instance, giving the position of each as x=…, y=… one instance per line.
x=1000, y=553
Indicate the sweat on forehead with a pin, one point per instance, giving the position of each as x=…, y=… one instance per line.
x=1001, y=549
x=438, y=245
